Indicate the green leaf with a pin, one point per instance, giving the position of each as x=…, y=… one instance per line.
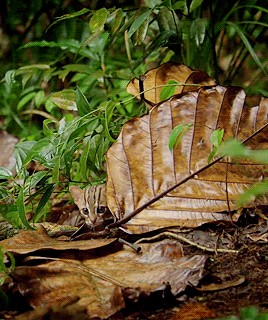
x=5, y=173
x=216, y=137
x=167, y=20
x=69, y=16
x=169, y=89
x=10, y=79
x=195, y=4
x=3, y=298
x=238, y=150
x=11, y=214
x=177, y=134
x=56, y=169
x=64, y=99
x=43, y=201
x=77, y=68
x=28, y=97
x=21, y=209
x=139, y=21
x=22, y=149
x=256, y=190
x=109, y=110
x=249, y=313
x=198, y=31
x=98, y=20
x=39, y=98
x=34, y=179
x=46, y=129
x=83, y=106
x=141, y=32
x=247, y=44
x=68, y=45
x=3, y=267
x=234, y=148
x=84, y=158
x=89, y=125
x=180, y=5
x=44, y=144
x=117, y=18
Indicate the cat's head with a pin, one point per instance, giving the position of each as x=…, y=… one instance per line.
x=85, y=204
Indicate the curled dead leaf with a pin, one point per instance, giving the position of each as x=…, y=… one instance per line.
x=153, y=81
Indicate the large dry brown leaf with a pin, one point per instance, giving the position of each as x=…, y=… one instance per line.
x=31, y=241
x=60, y=283
x=102, y=284
x=154, y=80
x=141, y=166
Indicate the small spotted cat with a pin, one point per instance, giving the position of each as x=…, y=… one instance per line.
x=91, y=203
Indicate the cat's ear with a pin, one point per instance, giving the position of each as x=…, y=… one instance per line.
x=77, y=193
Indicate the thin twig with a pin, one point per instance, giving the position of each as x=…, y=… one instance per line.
x=131, y=245
x=184, y=239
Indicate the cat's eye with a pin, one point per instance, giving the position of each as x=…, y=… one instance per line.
x=85, y=211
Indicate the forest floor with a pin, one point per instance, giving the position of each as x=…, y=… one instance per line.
x=226, y=270
x=231, y=280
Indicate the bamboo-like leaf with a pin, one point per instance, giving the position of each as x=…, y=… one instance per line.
x=216, y=140
x=216, y=137
x=247, y=44
x=169, y=89
x=46, y=130
x=34, y=179
x=84, y=158
x=255, y=191
x=116, y=21
x=64, y=99
x=98, y=20
x=198, y=31
x=5, y=173
x=139, y=21
x=237, y=150
x=177, y=134
x=167, y=20
x=70, y=45
x=43, y=201
x=83, y=106
x=69, y=16
x=195, y=4
x=27, y=98
x=179, y=5
x=141, y=33
x=56, y=169
x=109, y=110
x=21, y=209
x=39, y=146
